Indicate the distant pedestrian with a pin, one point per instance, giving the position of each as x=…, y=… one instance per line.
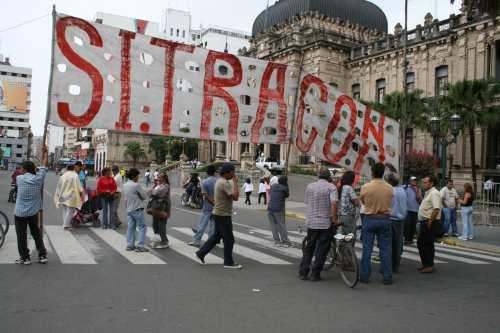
x=399, y=210
x=267, y=185
x=106, y=189
x=134, y=196
x=467, y=213
x=80, y=170
x=429, y=215
x=161, y=205
x=276, y=212
x=321, y=199
x=262, y=191
x=377, y=198
x=248, y=189
x=489, y=187
x=348, y=202
x=206, y=220
x=28, y=205
x=115, y=204
x=68, y=195
x=225, y=192
x=147, y=178
x=414, y=197
x=450, y=199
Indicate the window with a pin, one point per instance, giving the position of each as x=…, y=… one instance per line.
x=380, y=90
x=171, y=31
x=441, y=80
x=245, y=147
x=177, y=32
x=183, y=33
x=356, y=91
x=19, y=155
x=410, y=81
x=19, y=146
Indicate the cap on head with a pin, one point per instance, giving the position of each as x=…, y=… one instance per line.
x=325, y=174
x=226, y=168
x=413, y=178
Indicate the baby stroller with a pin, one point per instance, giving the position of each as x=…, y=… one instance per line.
x=88, y=215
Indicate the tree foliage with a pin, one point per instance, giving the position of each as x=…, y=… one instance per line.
x=419, y=164
x=135, y=152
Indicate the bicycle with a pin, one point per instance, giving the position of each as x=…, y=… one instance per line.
x=4, y=222
x=343, y=256
x=2, y=236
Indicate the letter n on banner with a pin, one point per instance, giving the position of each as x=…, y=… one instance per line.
x=213, y=87
x=97, y=82
x=378, y=134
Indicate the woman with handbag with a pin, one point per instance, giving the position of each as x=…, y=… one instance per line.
x=159, y=208
x=106, y=189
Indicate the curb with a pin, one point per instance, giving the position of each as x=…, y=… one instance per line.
x=472, y=246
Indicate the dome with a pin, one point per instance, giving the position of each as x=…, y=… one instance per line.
x=363, y=12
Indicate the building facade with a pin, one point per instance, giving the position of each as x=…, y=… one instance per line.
x=15, y=102
x=347, y=44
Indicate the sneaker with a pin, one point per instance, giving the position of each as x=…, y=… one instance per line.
x=156, y=238
x=376, y=258
x=470, y=237
x=21, y=261
x=141, y=249
x=233, y=266
x=195, y=244
x=130, y=248
x=200, y=258
x=42, y=260
x=463, y=238
x=160, y=245
x=277, y=244
x=454, y=235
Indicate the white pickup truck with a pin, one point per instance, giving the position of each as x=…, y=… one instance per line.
x=263, y=162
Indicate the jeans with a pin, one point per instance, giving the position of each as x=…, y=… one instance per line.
x=160, y=228
x=224, y=231
x=278, y=227
x=263, y=195
x=381, y=227
x=316, y=243
x=22, y=224
x=425, y=242
x=450, y=218
x=107, y=216
x=115, y=204
x=410, y=227
x=136, y=219
x=396, y=243
x=247, y=198
x=205, y=221
x=467, y=220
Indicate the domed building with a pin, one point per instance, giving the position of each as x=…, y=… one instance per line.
x=347, y=44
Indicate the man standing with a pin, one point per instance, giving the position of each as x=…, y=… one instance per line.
x=28, y=205
x=377, y=197
x=429, y=215
x=134, y=195
x=68, y=195
x=147, y=178
x=115, y=204
x=207, y=190
x=450, y=197
x=399, y=210
x=321, y=200
x=276, y=212
x=414, y=196
x=225, y=192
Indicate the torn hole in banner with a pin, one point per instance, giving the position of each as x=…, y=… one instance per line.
x=146, y=84
x=186, y=113
x=347, y=162
x=374, y=119
x=360, y=114
x=337, y=142
x=146, y=58
x=308, y=109
x=111, y=78
x=74, y=89
x=251, y=67
x=390, y=129
x=245, y=99
x=108, y=56
x=390, y=151
x=220, y=112
x=184, y=127
x=77, y=40
x=355, y=146
x=218, y=131
x=184, y=85
x=223, y=70
x=271, y=115
x=244, y=133
x=62, y=68
x=270, y=131
x=192, y=66
x=251, y=83
x=246, y=119
x=307, y=129
x=373, y=147
x=109, y=99
x=345, y=114
x=358, y=131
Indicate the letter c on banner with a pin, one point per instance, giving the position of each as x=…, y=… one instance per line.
x=63, y=108
x=323, y=97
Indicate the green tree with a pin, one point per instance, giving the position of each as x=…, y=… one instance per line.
x=135, y=152
x=473, y=101
x=159, y=145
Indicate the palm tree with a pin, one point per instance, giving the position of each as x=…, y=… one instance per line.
x=473, y=101
x=135, y=152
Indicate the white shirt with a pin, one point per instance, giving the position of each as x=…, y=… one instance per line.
x=488, y=185
x=274, y=180
x=156, y=174
x=247, y=187
x=262, y=188
x=431, y=201
x=449, y=197
x=119, y=182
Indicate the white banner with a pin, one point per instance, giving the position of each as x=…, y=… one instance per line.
x=108, y=78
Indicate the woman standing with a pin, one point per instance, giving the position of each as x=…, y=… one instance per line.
x=159, y=208
x=106, y=189
x=262, y=191
x=467, y=210
x=348, y=203
x=248, y=189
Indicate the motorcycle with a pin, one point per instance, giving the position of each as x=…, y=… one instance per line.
x=12, y=193
x=195, y=200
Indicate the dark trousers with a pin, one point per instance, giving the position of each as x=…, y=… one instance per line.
x=397, y=243
x=263, y=195
x=410, y=227
x=224, y=231
x=316, y=243
x=425, y=242
x=22, y=224
x=160, y=228
x=247, y=198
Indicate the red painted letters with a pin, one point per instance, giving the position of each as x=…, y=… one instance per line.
x=97, y=82
x=123, y=123
x=213, y=87
x=170, y=49
x=267, y=95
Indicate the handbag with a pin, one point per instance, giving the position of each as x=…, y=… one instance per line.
x=156, y=208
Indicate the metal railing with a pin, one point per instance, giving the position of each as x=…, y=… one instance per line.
x=487, y=204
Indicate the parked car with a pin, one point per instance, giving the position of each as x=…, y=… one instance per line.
x=270, y=164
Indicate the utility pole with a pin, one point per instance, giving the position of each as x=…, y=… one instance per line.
x=405, y=91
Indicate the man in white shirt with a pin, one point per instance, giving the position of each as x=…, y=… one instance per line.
x=274, y=179
x=488, y=189
x=450, y=197
x=115, y=204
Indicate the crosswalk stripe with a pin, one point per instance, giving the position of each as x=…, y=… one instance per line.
x=405, y=255
x=187, y=251
x=470, y=254
x=118, y=243
x=9, y=252
x=67, y=247
x=246, y=252
x=269, y=233
x=451, y=257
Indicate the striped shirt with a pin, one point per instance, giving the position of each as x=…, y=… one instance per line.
x=29, y=193
x=319, y=198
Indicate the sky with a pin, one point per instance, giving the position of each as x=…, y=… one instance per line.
x=29, y=45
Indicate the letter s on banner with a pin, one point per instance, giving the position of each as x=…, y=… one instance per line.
x=95, y=39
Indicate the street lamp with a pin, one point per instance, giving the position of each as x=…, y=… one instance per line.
x=442, y=138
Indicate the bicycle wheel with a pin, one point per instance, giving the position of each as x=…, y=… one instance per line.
x=331, y=257
x=2, y=235
x=349, y=265
x=4, y=221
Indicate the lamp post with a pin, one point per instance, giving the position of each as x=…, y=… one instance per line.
x=442, y=139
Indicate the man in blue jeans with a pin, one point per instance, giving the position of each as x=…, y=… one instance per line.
x=134, y=196
x=376, y=197
x=207, y=189
x=450, y=197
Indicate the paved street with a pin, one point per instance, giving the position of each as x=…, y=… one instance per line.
x=92, y=285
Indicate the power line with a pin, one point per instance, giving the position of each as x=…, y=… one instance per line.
x=25, y=22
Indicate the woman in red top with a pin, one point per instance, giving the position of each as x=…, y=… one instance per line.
x=106, y=189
